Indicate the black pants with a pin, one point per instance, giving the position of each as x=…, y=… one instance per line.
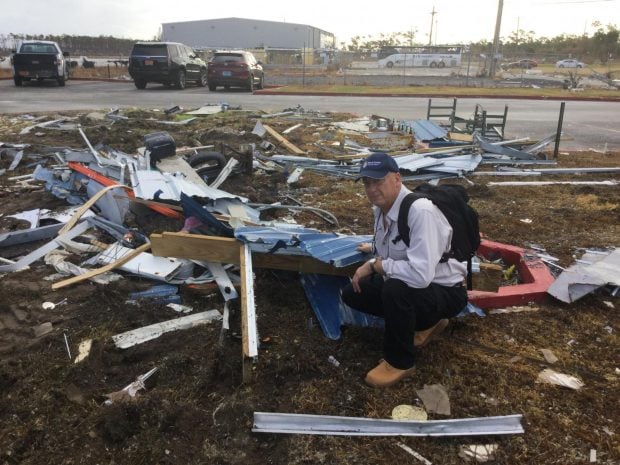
x=405, y=310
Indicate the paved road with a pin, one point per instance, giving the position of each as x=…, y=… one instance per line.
x=589, y=124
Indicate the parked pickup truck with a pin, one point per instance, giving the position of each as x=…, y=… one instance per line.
x=39, y=60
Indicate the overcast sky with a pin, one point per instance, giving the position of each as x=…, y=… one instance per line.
x=457, y=21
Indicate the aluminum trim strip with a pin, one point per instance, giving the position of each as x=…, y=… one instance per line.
x=290, y=423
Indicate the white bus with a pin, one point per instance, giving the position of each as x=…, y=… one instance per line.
x=439, y=56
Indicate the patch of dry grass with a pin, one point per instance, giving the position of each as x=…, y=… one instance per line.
x=593, y=202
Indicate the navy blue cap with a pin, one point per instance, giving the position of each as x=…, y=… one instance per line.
x=377, y=166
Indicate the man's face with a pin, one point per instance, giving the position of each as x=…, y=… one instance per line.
x=383, y=192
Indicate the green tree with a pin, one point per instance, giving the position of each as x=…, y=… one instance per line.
x=605, y=43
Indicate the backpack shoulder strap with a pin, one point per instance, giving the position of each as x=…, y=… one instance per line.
x=403, y=215
x=404, y=232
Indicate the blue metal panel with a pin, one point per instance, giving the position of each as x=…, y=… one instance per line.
x=425, y=130
x=193, y=208
x=323, y=293
x=338, y=250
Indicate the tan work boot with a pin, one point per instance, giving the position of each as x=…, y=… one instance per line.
x=385, y=375
x=421, y=338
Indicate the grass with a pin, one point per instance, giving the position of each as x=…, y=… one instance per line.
x=114, y=72
x=524, y=92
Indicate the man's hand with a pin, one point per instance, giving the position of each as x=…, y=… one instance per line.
x=361, y=273
x=365, y=247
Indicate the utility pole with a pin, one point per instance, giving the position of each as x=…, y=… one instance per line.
x=430, y=36
x=498, y=24
x=303, y=66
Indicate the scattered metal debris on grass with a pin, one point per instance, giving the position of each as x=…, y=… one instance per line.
x=478, y=452
x=147, y=333
x=550, y=376
x=594, y=270
x=410, y=451
x=129, y=392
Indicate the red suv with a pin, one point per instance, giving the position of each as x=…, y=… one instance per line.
x=235, y=69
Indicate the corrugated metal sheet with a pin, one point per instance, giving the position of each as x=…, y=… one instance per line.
x=150, y=184
x=425, y=130
x=457, y=165
x=416, y=161
x=323, y=293
x=330, y=248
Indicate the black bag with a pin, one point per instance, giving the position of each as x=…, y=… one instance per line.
x=159, y=145
x=452, y=200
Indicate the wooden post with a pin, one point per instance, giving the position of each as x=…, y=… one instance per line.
x=558, y=133
x=249, y=334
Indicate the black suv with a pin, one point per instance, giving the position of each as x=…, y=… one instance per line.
x=168, y=63
x=235, y=69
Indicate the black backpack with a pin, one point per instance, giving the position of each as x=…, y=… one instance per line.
x=452, y=200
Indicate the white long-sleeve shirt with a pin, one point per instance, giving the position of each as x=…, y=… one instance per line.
x=430, y=237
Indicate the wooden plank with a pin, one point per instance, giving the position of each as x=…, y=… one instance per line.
x=282, y=140
x=226, y=250
x=243, y=271
x=103, y=269
x=460, y=137
x=301, y=264
x=196, y=246
x=491, y=266
x=85, y=207
x=249, y=333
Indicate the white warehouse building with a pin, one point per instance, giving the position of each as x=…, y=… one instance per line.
x=240, y=33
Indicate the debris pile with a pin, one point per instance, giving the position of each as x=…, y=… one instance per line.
x=231, y=232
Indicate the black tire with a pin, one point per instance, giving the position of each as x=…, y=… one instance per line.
x=561, y=66
x=226, y=87
x=18, y=81
x=433, y=64
x=202, y=80
x=140, y=83
x=251, y=83
x=260, y=83
x=207, y=164
x=61, y=81
x=389, y=64
x=212, y=87
x=579, y=66
x=441, y=64
x=181, y=82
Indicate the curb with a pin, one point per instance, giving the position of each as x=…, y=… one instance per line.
x=128, y=81
x=71, y=78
